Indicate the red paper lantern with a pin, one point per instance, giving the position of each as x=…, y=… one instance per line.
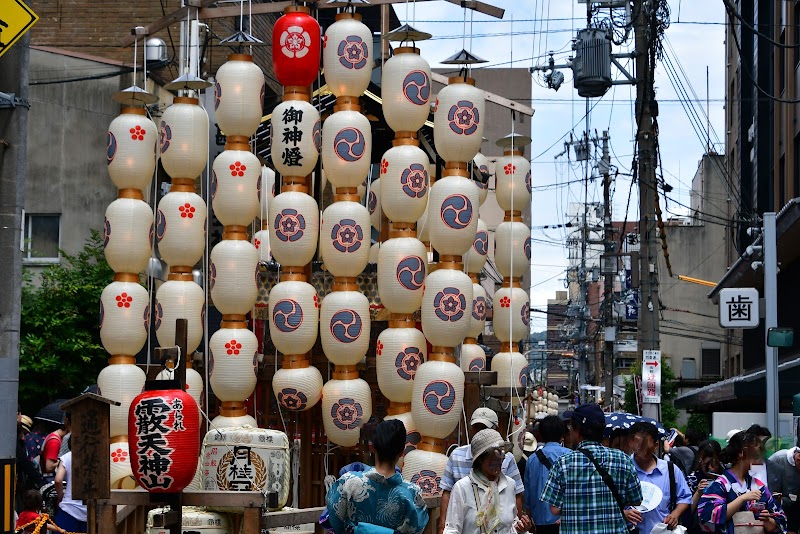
x=163, y=437
x=296, y=47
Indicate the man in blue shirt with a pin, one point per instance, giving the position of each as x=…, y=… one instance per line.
x=552, y=430
x=655, y=471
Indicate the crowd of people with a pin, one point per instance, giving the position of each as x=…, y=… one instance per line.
x=577, y=476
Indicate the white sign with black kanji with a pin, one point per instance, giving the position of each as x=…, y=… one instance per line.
x=738, y=308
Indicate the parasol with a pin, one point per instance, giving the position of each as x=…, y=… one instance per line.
x=623, y=421
x=52, y=413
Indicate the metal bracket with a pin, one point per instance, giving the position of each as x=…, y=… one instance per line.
x=10, y=100
x=631, y=80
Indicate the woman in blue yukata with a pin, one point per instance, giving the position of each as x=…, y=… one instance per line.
x=736, y=491
x=378, y=500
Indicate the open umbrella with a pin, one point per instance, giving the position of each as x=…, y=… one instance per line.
x=52, y=413
x=623, y=421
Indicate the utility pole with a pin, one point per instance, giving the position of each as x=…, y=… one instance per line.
x=770, y=243
x=608, y=290
x=646, y=111
x=13, y=147
x=583, y=312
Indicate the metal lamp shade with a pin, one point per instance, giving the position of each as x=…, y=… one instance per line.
x=296, y=138
x=184, y=139
x=402, y=265
x=239, y=96
x=180, y=228
x=406, y=90
x=293, y=228
x=122, y=383
x=234, y=187
x=346, y=406
x=179, y=299
x=347, y=56
x=233, y=363
x=447, y=307
x=233, y=276
x=124, y=315
x=344, y=327
x=453, y=215
x=345, y=238
x=436, y=398
x=294, y=317
x=400, y=352
x=404, y=179
x=346, y=148
x=131, y=151
x=127, y=235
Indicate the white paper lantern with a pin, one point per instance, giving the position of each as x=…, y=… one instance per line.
x=512, y=370
x=478, y=316
x=239, y=96
x=374, y=252
x=475, y=258
x=178, y=299
x=404, y=174
x=121, y=475
x=402, y=265
x=228, y=421
x=124, y=317
x=234, y=187
x=232, y=363
x=194, y=383
x=509, y=248
x=293, y=228
x=126, y=235
x=458, y=122
x=346, y=406
x=180, y=228
x=261, y=242
x=294, y=317
x=347, y=55
x=425, y=469
x=121, y=383
x=344, y=239
x=344, y=327
x=511, y=314
x=399, y=352
x=131, y=151
x=436, y=398
x=266, y=191
x=233, y=276
x=473, y=358
x=517, y=436
x=482, y=164
x=184, y=138
x=297, y=390
x=423, y=227
x=453, y=215
x=447, y=307
x=295, y=138
x=406, y=90
x=346, y=148
x=512, y=189
x=374, y=203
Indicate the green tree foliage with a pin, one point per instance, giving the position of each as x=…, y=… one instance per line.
x=669, y=390
x=699, y=421
x=60, y=348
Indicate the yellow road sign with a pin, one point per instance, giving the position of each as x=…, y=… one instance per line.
x=15, y=19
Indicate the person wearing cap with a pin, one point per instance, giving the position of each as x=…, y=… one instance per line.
x=576, y=491
x=484, y=502
x=784, y=471
x=529, y=446
x=460, y=462
x=552, y=430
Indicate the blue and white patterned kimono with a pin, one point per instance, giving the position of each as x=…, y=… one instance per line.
x=366, y=502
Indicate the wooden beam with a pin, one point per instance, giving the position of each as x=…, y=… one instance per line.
x=228, y=499
x=491, y=97
x=290, y=518
x=480, y=7
x=163, y=22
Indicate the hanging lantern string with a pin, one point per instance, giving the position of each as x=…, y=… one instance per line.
x=150, y=277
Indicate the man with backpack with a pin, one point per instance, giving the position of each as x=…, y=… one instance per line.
x=666, y=476
x=552, y=430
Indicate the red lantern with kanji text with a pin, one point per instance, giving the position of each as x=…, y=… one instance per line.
x=296, y=47
x=163, y=435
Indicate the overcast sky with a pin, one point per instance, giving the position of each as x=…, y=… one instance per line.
x=696, y=37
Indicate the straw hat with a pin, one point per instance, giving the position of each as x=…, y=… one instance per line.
x=485, y=440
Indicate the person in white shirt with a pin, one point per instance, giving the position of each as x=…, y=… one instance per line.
x=71, y=514
x=484, y=502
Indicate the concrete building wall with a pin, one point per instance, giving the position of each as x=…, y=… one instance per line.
x=67, y=166
x=689, y=319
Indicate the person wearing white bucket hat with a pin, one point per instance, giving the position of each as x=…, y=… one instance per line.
x=484, y=502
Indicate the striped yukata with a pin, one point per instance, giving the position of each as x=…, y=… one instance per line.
x=713, y=506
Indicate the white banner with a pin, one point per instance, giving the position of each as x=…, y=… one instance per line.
x=651, y=376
